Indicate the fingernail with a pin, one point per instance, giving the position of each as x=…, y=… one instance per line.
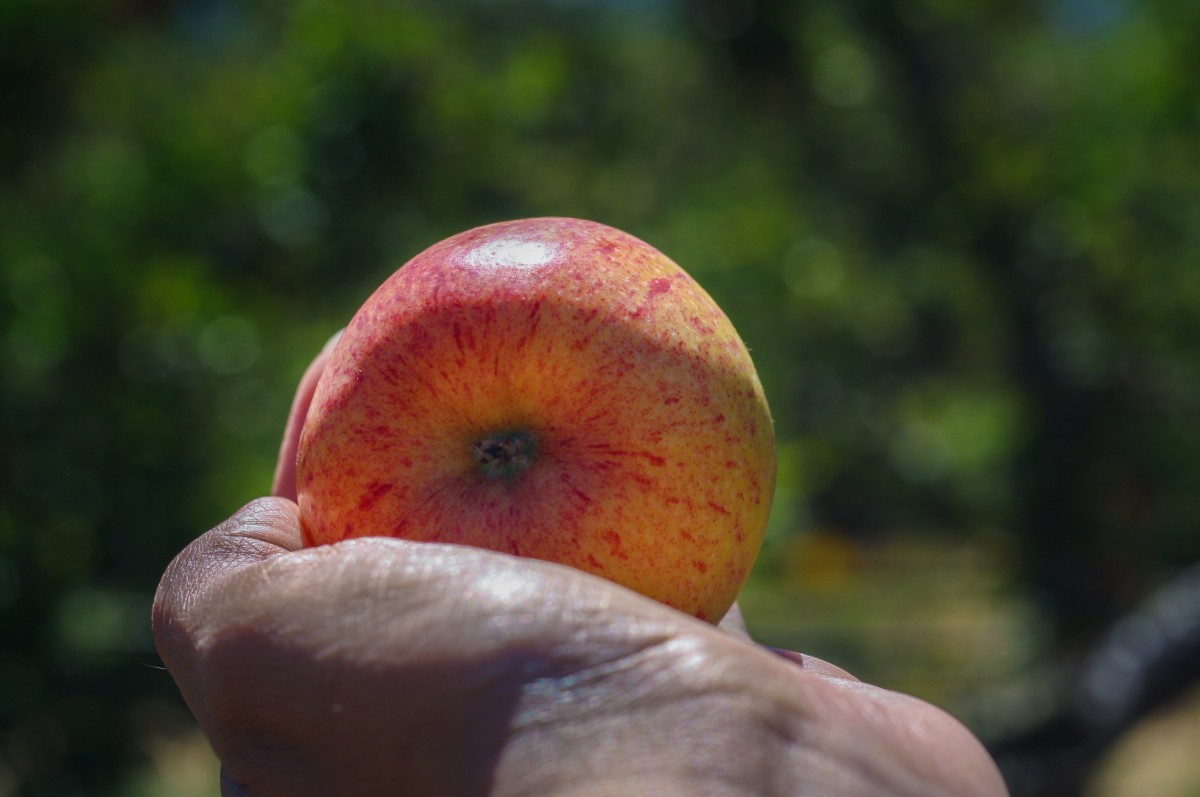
x=329, y=344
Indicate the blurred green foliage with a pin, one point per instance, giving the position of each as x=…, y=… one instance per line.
x=959, y=236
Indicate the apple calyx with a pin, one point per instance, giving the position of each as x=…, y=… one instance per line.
x=504, y=455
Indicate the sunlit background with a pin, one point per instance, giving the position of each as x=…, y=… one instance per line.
x=959, y=236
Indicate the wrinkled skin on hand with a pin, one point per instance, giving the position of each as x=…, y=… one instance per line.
x=383, y=667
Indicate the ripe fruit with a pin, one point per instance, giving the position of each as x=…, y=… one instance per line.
x=551, y=388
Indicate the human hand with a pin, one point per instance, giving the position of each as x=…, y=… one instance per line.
x=384, y=667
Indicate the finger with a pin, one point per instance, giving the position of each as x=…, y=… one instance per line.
x=813, y=665
x=284, y=484
x=375, y=656
x=734, y=623
x=258, y=532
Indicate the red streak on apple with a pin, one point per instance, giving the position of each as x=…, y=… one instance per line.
x=554, y=388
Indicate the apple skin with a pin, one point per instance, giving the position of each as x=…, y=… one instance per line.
x=644, y=448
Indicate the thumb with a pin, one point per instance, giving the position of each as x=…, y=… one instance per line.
x=284, y=484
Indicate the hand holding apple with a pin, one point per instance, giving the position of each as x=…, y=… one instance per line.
x=555, y=389
x=377, y=666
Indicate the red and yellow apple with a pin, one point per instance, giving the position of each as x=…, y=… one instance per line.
x=551, y=388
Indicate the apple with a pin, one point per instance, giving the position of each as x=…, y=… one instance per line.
x=551, y=388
